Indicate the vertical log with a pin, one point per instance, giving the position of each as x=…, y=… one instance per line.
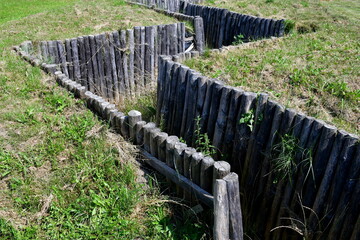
x=161, y=144
x=134, y=117
x=88, y=63
x=170, y=144
x=82, y=61
x=221, y=118
x=107, y=66
x=94, y=85
x=69, y=60
x=100, y=64
x=131, y=48
x=75, y=55
x=221, y=211
x=195, y=164
x=152, y=140
x=139, y=132
x=142, y=57
x=236, y=231
x=113, y=69
x=125, y=84
x=147, y=128
x=206, y=173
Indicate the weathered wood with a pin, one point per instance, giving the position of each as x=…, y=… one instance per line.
x=179, y=180
x=229, y=134
x=221, y=118
x=75, y=58
x=188, y=124
x=130, y=56
x=221, y=211
x=170, y=144
x=195, y=164
x=137, y=58
x=88, y=64
x=320, y=160
x=69, y=60
x=113, y=69
x=179, y=162
x=82, y=61
x=206, y=173
x=255, y=143
x=163, y=118
x=62, y=56
x=100, y=64
x=153, y=143
x=125, y=85
x=139, y=132
x=220, y=170
x=107, y=66
x=206, y=105
x=236, y=231
x=147, y=129
x=134, y=117
x=243, y=131
x=94, y=84
x=149, y=64
x=124, y=123
x=161, y=144
x=142, y=57
x=172, y=92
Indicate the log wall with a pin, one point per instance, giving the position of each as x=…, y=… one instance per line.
x=294, y=170
x=222, y=26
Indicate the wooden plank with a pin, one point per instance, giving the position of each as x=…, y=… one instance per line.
x=179, y=180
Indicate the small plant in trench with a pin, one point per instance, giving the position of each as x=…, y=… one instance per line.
x=248, y=119
x=202, y=141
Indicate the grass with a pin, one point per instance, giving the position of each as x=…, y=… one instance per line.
x=63, y=173
x=314, y=69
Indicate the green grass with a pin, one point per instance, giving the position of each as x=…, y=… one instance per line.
x=314, y=72
x=55, y=152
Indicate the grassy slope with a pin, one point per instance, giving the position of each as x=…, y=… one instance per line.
x=317, y=73
x=52, y=149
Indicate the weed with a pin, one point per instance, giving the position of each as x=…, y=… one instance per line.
x=202, y=141
x=284, y=164
x=238, y=39
x=248, y=119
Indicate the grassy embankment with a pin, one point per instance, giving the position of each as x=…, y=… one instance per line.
x=315, y=69
x=63, y=173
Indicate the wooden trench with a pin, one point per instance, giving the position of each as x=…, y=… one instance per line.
x=105, y=69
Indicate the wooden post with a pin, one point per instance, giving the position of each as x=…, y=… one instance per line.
x=235, y=216
x=100, y=64
x=134, y=117
x=170, y=144
x=221, y=118
x=125, y=84
x=75, y=55
x=199, y=34
x=94, y=85
x=139, y=132
x=153, y=141
x=206, y=173
x=113, y=69
x=62, y=56
x=221, y=211
x=147, y=129
x=161, y=144
x=131, y=48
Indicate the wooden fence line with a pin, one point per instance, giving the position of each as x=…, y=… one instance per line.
x=253, y=131
x=115, y=64
x=223, y=27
